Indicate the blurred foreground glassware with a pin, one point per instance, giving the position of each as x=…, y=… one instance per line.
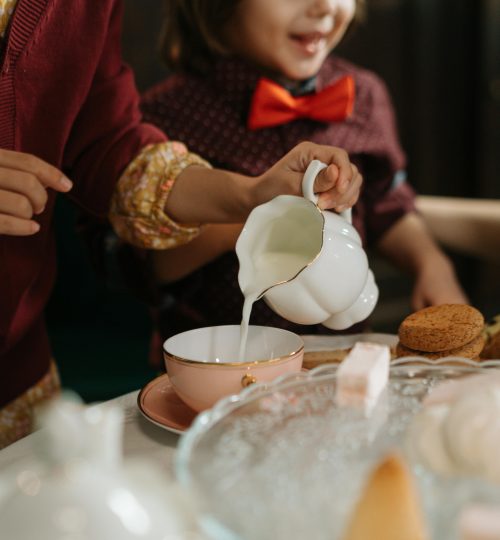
x=282, y=461
x=80, y=488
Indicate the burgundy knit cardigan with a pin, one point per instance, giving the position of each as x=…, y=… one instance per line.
x=67, y=97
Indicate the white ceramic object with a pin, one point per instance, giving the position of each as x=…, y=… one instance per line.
x=80, y=489
x=203, y=365
x=309, y=265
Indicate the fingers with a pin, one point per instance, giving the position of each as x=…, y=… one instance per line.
x=332, y=155
x=351, y=195
x=326, y=179
x=14, y=204
x=14, y=226
x=24, y=180
x=16, y=212
x=333, y=198
x=418, y=302
x=45, y=173
x=338, y=185
x=25, y=186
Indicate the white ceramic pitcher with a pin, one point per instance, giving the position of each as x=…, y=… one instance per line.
x=309, y=265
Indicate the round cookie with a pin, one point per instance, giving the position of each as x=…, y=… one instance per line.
x=470, y=350
x=441, y=328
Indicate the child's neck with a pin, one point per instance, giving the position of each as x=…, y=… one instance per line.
x=294, y=86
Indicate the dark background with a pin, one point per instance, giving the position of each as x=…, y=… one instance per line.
x=441, y=61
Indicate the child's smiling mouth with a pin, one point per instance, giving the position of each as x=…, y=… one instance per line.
x=310, y=43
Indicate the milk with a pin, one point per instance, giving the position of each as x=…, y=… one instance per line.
x=270, y=268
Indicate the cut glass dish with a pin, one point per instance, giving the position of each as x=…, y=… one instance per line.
x=280, y=460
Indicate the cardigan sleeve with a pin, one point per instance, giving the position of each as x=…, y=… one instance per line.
x=108, y=132
x=137, y=208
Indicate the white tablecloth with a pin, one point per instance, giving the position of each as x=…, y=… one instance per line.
x=140, y=439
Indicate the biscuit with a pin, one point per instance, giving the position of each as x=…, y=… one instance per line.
x=441, y=328
x=470, y=350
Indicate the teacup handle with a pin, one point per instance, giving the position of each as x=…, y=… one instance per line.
x=308, y=185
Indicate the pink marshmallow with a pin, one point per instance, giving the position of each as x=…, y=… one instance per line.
x=362, y=376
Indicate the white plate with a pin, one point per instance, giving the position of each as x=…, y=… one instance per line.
x=329, y=343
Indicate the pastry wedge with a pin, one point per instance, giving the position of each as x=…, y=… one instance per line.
x=388, y=508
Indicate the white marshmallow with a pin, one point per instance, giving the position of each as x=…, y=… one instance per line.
x=362, y=376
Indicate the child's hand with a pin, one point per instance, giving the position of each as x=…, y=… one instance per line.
x=338, y=185
x=410, y=246
x=24, y=180
x=437, y=284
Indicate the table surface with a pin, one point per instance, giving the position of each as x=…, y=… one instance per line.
x=140, y=438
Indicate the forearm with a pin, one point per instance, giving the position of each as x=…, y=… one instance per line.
x=167, y=192
x=467, y=225
x=214, y=240
x=410, y=246
x=227, y=197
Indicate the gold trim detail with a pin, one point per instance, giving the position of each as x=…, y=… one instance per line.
x=247, y=380
x=255, y=363
x=310, y=262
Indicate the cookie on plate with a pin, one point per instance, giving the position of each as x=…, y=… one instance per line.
x=470, y=350
x=441, y=328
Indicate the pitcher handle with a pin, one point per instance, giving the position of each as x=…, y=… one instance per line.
x=308, y=186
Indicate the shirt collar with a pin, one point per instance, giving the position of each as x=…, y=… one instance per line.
x=238, y=78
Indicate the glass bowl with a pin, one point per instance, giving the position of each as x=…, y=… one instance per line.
x=280, y=460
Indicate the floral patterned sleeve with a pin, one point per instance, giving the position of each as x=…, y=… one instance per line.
x=137, y=209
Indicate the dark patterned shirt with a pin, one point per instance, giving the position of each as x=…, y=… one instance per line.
x=209, y=115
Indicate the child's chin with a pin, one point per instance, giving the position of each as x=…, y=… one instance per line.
x=301, y=73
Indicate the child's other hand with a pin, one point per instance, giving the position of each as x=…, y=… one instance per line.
x=24, y=180
x=338, y=185
x=437, y=284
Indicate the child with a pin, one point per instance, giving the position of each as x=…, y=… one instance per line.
x=68, y=103
x=252, y=79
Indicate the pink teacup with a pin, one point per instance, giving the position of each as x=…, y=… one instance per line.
x=203, y=364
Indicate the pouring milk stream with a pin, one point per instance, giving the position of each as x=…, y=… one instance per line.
x=308, y=265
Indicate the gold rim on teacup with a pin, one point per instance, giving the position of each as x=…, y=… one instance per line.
x=254, y=363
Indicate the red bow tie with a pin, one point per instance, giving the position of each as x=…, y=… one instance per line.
x=273, y=105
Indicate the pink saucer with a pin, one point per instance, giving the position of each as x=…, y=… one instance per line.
x=159, y=403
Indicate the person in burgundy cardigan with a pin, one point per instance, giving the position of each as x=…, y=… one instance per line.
x=66, y=98
x=222, y=53
x=68, y=103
